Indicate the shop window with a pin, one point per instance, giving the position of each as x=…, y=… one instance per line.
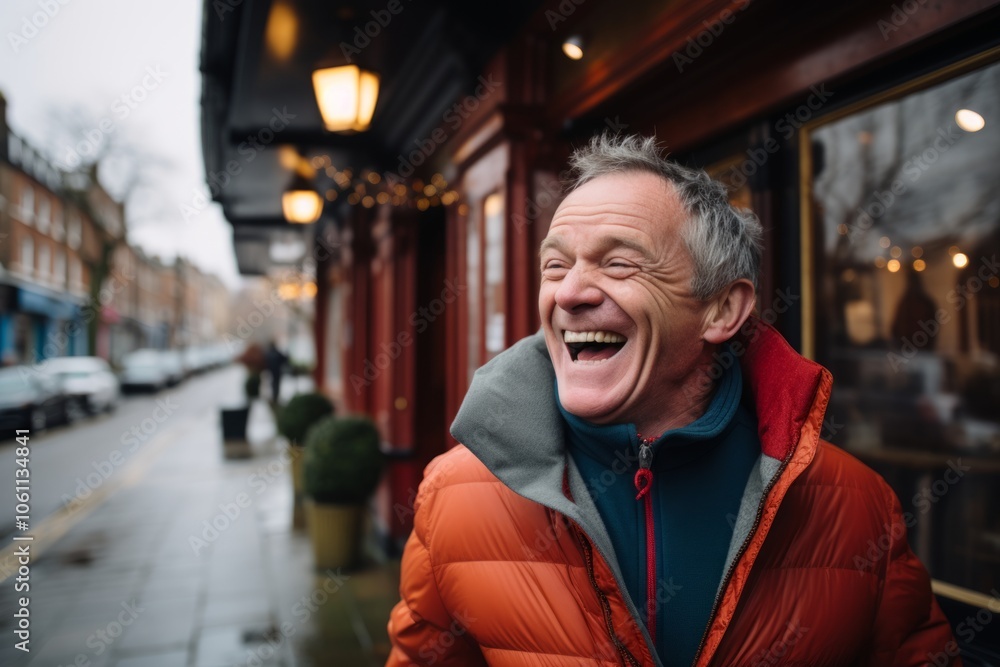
x=902, y=229
x=485, y=257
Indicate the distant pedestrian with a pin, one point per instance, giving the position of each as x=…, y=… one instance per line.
x=275, y=360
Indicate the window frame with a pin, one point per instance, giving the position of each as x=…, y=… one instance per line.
x=807, y=232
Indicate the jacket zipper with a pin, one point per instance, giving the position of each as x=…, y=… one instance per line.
x=739, y=555
x=644, y=485
x=588, y=555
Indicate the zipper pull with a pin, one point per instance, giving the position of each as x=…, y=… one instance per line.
x=644, y=475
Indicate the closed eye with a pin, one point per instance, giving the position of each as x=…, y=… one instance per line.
x=621, y=268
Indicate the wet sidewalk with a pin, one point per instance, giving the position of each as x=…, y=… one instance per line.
x=192, y=563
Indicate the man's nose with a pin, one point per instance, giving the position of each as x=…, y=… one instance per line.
x=578, y=289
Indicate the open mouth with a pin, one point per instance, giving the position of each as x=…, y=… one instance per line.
x=593, y=346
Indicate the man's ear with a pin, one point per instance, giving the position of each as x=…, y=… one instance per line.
x=729, y=310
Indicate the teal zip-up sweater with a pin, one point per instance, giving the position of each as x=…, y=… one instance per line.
x=699, y=475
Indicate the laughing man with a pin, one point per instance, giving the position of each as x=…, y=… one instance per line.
x=643, y=482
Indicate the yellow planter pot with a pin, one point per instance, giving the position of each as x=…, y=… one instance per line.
x=336, y=532
x=298, y=516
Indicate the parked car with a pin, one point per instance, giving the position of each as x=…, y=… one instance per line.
x=32, y=400
x=192, y=359
x=173, y=366
x=88, y=380
x=143, y=369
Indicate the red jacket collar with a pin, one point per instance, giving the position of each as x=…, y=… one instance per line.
x=786, y=387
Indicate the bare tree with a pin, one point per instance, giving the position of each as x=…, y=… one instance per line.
x=105, y=167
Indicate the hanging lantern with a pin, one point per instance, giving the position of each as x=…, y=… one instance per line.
x=346, y=97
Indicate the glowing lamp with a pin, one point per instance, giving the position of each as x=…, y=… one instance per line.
x=573, y=47
x=300, y=203
x=346, y=97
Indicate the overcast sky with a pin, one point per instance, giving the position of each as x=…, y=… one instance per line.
x=87, y=55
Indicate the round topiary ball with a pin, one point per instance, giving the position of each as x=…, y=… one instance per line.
x=342, y=461
x=301, y=412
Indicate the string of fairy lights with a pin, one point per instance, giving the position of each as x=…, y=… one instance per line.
x=368, y=187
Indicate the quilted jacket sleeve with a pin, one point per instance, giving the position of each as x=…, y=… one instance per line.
x=421, y=629
x=910, y=628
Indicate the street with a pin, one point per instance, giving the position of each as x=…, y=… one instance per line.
x=69, y=463
x=147, y=547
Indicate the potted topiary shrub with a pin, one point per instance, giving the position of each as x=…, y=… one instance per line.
x=294, y=420
x=341, y=469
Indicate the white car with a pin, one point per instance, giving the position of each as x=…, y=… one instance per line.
x=173, y=366
x=87, y=380
x=144, y=369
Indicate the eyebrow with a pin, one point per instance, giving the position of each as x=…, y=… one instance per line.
x=605, y=244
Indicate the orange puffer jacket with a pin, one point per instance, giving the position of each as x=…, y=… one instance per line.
x=509, y=563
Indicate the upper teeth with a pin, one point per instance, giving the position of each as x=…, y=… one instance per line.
x=592, y=337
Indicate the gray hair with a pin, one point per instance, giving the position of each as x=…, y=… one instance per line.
x=725, y=243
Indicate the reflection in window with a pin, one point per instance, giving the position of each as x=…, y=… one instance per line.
x=493, y=302
x=473, y=241
x=906, y=222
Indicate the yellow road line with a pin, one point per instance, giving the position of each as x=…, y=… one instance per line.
x=57, y=524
